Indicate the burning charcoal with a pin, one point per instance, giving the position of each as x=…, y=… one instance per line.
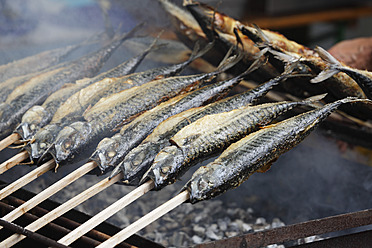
x=247, y=228
x=277, y=223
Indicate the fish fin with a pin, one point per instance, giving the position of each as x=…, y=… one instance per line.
x=267, y=166
x=324, y=75
x=254, y=66
x=67, y=85
x=87, y=109
x=314, y=101
x=284, y=57
x=115, y=171
x=267, y=126
x=197, y=52
x=327, y=56
x=228, y=61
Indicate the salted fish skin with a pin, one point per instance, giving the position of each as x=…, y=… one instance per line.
x=255, y=151
x=210, y=135
x=140, y=158
x=109, y=153
x=31, y=123
x=108, y=113
x=74, y=107
x=35, y=92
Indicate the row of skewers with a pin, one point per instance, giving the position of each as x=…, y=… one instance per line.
x=150, y=127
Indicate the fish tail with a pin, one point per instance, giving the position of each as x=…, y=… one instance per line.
x=334, y=66
x=351, y=99
x=197, y=52
x=314, y=101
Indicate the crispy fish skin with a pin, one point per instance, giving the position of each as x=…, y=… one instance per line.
x=139, y=160
x=74, y=107
x=32, y=122
x=38, y=89
x=256, y=152
x=110, y=112
x=209, y=135
x=110, y=151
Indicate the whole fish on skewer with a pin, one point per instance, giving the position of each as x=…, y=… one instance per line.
x=256, y=152
x=105, y=116
x=110, y=151
x=38, y=116
x=362, y=77
x=212, y=134
x=73, y=108
x=36, y=90
x=190, y=30
x=138, y=161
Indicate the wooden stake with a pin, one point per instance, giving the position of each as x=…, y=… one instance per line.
x=50, y=191
x=146, y=220
x=59, y=211
x=107, y=213
x=26, y=179
x=9, y=140
x=13, y=161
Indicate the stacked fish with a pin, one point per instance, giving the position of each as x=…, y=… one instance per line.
x=155, y=124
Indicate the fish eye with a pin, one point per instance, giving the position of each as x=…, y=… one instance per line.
x=42, y=145
x=111, y=154
x=67, y=144
x=32, y=126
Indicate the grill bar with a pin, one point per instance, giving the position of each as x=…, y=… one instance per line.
x=107, y=213
x=29, y=177
x=295, y=231
x=59, y=211
x=49, y=191
x=40, y=238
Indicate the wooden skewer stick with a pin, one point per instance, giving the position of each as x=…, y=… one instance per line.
x=107, y=213
x=59, y=211
x=146, y=220
x=32, y=175
x=46, y=193
x=13, y=161
x=9, y=140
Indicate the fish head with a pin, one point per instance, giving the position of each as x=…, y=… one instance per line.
x=137, y=162
x=70, y=139
x=43, y=139
x=166, y=167
x=32, y=120
x=105, y=153
x=200, y=186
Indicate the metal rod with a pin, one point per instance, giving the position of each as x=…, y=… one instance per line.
x=295, y=231
x=4, y=143
x=13, y=161
x=61, y=225
x=32, y=175
x=50, y=191
x=107, y=213
x=57, y=212
x=146, y=220
x=35, y=236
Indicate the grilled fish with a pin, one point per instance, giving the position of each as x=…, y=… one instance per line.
x=104, y=117
x=74, y=107
x=211, y=134
x=35, y=63
x=110, y=151
x=36, y=90
x=361, y=77
x=256, y=152
x=38, y=116
x=138, y=160
x=190, y=28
